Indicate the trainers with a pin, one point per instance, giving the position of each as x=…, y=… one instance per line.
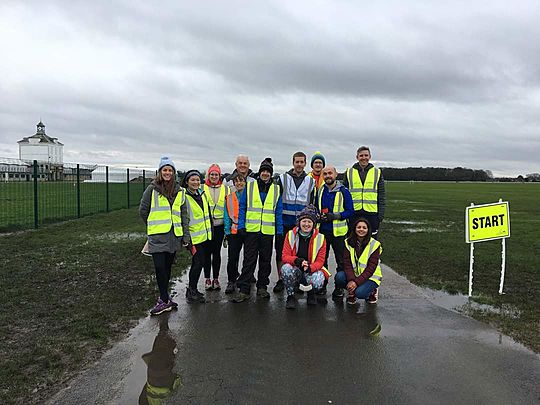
x=321, y=291
x=351, y=300
x=337, y=294
x=215, y=284
x=193, y=296
x=311, y=299
x=207, y=284
x=263, y=293
x=173, y=304
x=373, y=297
x=279, y=287
x=231, y=287
x=291, y=302
x=161, y=307
x=240, y=297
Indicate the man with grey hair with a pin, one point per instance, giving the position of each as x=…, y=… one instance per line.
x=241, y=167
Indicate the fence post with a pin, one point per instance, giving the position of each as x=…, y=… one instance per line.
x=127, y=184
x=107, y=188
x=143, y=180
x=36, y=206
x=78, y=192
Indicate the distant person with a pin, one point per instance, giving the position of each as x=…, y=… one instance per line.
x=200, y=232
x=234, y=241
x=335, y=205
x=298, y=191
x=318, y=163
x=241, y=167
x=304, y=253
x=215, y=192
x=361, y=261
x=259, y=220
x=164, y=211
x=366, y=184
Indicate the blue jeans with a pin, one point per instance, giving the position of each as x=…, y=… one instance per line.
x=363, y=291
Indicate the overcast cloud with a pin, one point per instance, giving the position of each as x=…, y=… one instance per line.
x=423, y=84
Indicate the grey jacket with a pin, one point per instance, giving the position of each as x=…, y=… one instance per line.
x=164, y=242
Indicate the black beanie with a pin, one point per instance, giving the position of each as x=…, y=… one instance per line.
x=266, y=164
x=188, y=174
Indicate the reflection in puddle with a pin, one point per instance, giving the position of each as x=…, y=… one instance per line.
x=403, y=222
x=416, y=230
x=161, y=381
x=367, y=314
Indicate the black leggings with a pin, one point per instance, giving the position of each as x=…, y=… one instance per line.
x=163, y=263
x=213, y=252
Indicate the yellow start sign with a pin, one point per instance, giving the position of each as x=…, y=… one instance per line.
x=487, y=222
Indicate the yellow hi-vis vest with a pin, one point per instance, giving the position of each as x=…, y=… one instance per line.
x=364, y=196
x=339, y=227
x=360, y=263
x=315, y=244
x=218, y=207
x=162, y=216
x=259, y=217
x=200, y=226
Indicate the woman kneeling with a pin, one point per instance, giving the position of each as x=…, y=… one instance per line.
x=362, y=275
x=304, y=252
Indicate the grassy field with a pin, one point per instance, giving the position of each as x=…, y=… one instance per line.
x=431, y=251
x=68, y=290
x=58, y=201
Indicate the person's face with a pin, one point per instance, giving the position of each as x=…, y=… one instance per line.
x=167, y=173
x=242, y=165
x=361, y=229
x=194, y=182
x=214, y=177
x=306, y=225
x=329, y=175
x=363, y=157
x=240, y=185
x=299, y=163
x=265, y=175
x=317, y=166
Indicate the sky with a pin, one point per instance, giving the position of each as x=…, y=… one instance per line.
x=422, y=83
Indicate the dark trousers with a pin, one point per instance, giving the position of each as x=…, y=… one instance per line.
x=256, y=246
x=213, y=253
x=338, y=246
x=197, y=264
x=163, y=262
x=372, y=218
x=278, y=246
x=235, y=242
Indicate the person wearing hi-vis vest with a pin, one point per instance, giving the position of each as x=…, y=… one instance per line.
x=259, y=219
x=366, y=184
x=164, y=211
x=304, y=253
x=335, y=206
x=362, y=264
x=233, y=240
x=200, y=231
x=215, y=192
x=298, y=190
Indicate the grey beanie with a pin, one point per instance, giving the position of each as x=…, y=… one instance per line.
x=166, y=161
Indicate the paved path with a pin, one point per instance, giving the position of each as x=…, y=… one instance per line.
x=259, y=352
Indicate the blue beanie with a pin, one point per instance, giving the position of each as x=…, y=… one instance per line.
x=166, y=161
x=318, y=155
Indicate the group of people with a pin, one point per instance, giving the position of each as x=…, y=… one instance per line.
x=299, y=215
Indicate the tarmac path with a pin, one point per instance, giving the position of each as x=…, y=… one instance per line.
x=403, y=350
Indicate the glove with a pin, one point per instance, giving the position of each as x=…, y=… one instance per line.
x=298, y=262
x=225, y=242
x=332, y=216
x=242, y=232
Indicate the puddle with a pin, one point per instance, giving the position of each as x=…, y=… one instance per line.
x=403, y=222
x=406, y=202
x=428, y=230
x=120, y=236
x=420, y=210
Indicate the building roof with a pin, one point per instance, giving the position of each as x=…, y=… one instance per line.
x=41, y=135
x=10, y=161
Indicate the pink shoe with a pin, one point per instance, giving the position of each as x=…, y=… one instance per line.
x=207, y=284
x=215, y=284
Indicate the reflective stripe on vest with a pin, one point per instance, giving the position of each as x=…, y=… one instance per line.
x=295, y=199
x=217, y=208
x=261, y=217
x=339, y=227
x=233, y=208
x=162, y=216
x=200, y=226
x=360, y=264
x=316, y=243
x=364, y=195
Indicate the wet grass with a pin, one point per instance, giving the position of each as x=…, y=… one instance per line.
x=68, y=291
x=440, y=259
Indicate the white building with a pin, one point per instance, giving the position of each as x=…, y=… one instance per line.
x=14, y=170
x=41, y=147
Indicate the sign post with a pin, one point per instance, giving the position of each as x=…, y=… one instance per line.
x=483, y=223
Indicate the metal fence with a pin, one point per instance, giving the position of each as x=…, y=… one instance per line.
x=39, y=194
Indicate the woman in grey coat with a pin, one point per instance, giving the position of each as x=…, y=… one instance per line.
x=164, y=212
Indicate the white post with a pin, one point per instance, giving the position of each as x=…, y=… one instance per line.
x=503, y=265
x=471, y=269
